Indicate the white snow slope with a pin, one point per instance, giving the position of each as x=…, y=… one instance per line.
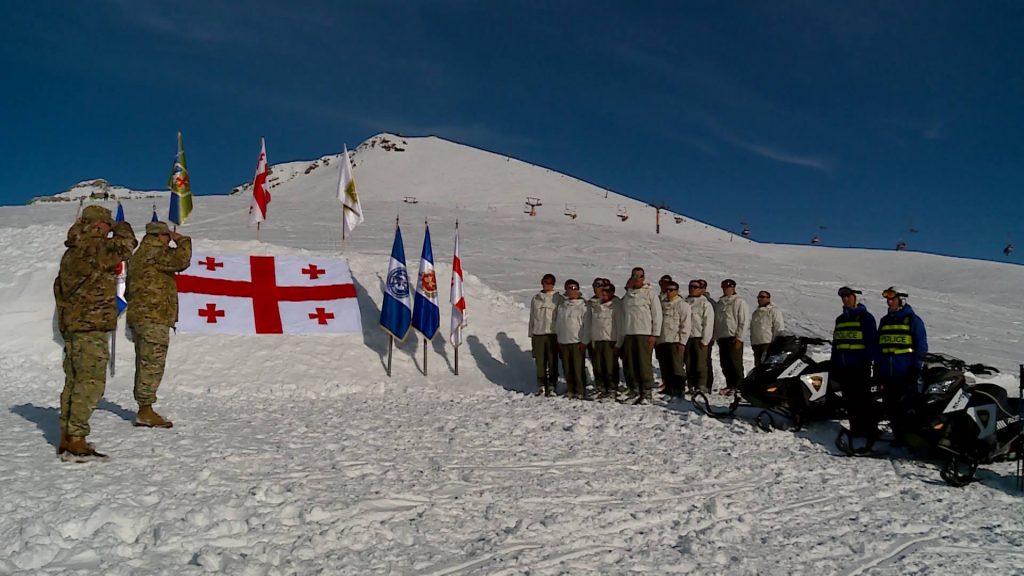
x=298, y=455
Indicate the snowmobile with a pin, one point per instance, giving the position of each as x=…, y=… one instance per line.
x=968, y=423
x=791, y=385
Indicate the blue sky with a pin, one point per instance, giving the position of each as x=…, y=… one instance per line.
x=869, y=118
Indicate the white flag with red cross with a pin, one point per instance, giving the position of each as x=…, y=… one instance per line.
x=267, y=295
x=260, y=197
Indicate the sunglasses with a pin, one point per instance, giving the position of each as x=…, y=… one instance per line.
x=890, y=294
x=571, y=288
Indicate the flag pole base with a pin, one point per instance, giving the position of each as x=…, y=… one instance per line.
x=391, y=345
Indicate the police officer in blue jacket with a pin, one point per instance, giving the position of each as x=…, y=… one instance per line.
x=902, y=346
x=854, y=344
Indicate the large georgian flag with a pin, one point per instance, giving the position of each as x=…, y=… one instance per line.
x=267, y=295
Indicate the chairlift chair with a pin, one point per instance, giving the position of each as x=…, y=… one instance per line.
x=570, y=211
x=679, y=219
x=411, y=200
x=622, y=213
x=816, y=240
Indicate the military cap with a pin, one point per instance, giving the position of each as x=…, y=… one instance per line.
x=94, y=213
x=157, y=228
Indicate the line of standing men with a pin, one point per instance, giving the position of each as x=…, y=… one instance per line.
x=84, y=292
x=679, y=331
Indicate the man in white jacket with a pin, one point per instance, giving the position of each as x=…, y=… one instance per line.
x=572, y=324
x=639, y=328
x=675, y=331
x=543, y=336
x=702, y=332
x=603, y=311
x=731, y=317
x=765, y=325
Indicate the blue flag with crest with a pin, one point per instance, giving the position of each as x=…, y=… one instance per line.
x=396, y=311
x=426, y=315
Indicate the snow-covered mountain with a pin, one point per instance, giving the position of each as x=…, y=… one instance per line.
x=97, y=190
x=298, y=455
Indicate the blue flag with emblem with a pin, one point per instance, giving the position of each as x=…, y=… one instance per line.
x=396, y=312
x=181, y=188
x=426, y=315
x=122, y=271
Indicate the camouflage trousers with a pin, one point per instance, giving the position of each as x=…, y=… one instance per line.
x=85, y=378
x=151, y=342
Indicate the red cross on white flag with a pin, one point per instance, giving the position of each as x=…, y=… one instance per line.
x=267, y=295
x=260, y=196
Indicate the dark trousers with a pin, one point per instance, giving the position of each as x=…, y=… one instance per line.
x=696, y=366
x=572, y=363
x=544, y=355
x=898, y=396
x=709, y=377
x=606, y=366
x=760, y=351
x=636, y=363
x=670, y=360
x=855, y=382
x=731, y=359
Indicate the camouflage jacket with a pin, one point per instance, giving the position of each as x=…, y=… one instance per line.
x=151, y=292
x=85, y=287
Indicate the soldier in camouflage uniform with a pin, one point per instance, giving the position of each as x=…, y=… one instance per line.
x=84, y=291
x=153, y=310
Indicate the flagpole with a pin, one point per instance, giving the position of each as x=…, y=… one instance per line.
x=113, y=350
x=453, y=279
x=391, y=337
x=426, y=225
x=391, y=344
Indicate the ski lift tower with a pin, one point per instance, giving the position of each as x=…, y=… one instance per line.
x=657, y=216
x=531, y=205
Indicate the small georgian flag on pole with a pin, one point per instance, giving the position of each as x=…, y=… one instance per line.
x=458, y=299
x=260, y=196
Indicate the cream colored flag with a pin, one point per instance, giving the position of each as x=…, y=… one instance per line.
x=348, y=196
